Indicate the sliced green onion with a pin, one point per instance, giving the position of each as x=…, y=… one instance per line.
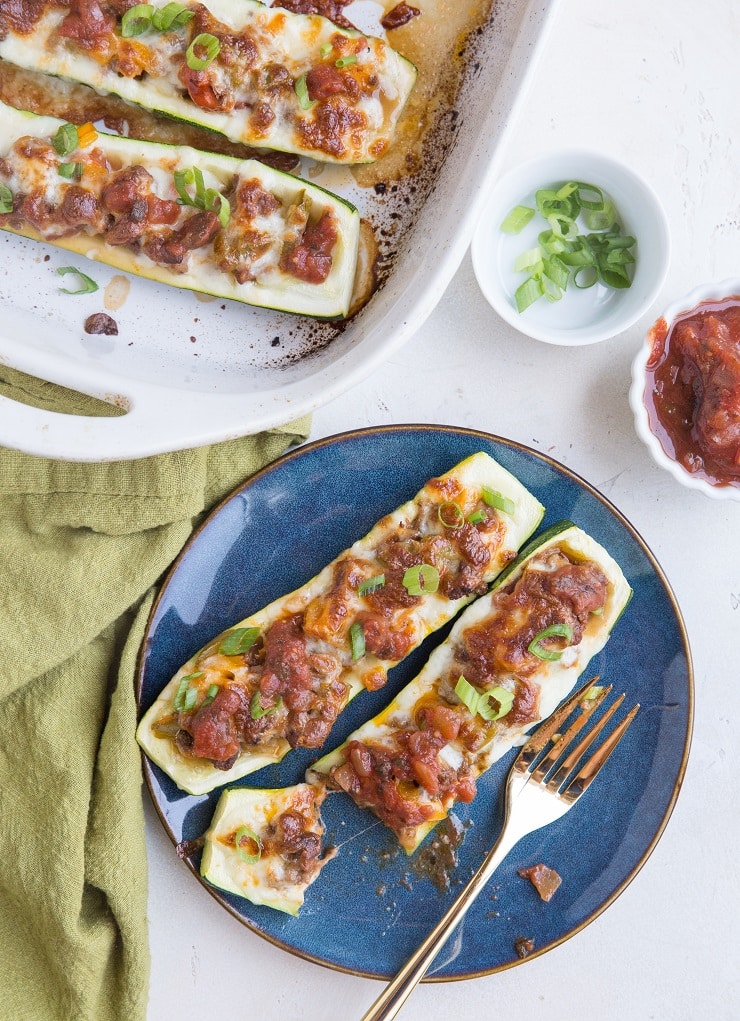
x=585, y=277
x=66, y=140
x=517, y=219
x=450, y=515
x=183, y=179
x=479, y=702
x=210, y=694
x=172, y=15
x=136, y=20
x=590, y=203
x=597, y=612
x=6, y=199
x=614, y=278
x=366, y=588
x=495, y=499
x=527, y=293
x=593, y=692
x=246, y=835
x=70, y=171
x=502, y=696
x=185, y=696
x=357, y=640
x=553, y=631
x=556, y=270
x=528, y=260
x=301, y=90
x=255, y=707
x=215, y=198
x=567, y=190
x=421, y=579
x=345, y=61
x=477, y=517
x=600, y=219
x=88, y=284
x=238, y=641
x=550, y=289
x=326, y=49
x=203, y=42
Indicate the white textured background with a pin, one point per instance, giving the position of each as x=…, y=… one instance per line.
x=656, y=84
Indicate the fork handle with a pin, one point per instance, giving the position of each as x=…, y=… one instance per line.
x=393, y=997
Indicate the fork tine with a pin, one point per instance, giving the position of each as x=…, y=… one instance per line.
x=573, y=756
x=588, y=772
x=532, y=748
x=559, y=748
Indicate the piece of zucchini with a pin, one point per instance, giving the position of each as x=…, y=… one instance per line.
x=471, y=753
x=261, y=101
x=242, y=852
x=272, y=288
x=330, y=632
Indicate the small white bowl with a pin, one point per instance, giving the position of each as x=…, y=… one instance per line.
x=707, y=292
x=581, y=316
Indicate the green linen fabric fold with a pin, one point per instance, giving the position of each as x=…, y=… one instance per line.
x=81, y=548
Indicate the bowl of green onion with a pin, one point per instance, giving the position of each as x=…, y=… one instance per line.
x=572, y=248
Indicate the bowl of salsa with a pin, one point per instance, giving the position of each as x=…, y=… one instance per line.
x=685, y=392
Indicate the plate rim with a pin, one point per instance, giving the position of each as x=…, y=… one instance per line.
x=465, y=431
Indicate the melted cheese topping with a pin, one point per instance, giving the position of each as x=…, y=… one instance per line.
x=275, y=879
x=328, y=611
x=250, y=97
x=549, y=680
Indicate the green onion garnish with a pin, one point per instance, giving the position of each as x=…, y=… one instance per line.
x=593, y=692
x=421, y=579
x=366, y=588
x=172, y=15
x=238, y=641
x=357, y=641
x=326, y=49
x=553, y=631
x=6, y=199
x=66, y=140
x=450, y=515
x=497, y=500
x=204, y=198
x=479, y=702
x=301, y=90
x=345, y=61
x=70, y=171
x=210, y=694
x=595, y=257
x=88, y=284
x=185, y=696
x=477, y=517
x=517, y=219
x=215, y=198
x=136, y=20
x=255, y=707
x=244, y=840
x=208, y=45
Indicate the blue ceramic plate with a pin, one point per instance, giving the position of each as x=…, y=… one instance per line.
x=371, y=906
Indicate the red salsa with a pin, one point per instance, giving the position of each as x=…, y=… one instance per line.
x=692, y=391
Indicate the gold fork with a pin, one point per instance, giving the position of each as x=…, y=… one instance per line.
x=540, y=788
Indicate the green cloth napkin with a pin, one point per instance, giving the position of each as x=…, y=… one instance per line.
x=81, y=547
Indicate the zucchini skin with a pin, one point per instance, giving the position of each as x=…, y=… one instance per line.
x=275, y=290
x=555, y=679
x=292, y=41
x=198, y=776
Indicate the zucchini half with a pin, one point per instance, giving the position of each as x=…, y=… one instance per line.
x=241, y=855
x=273, y=288
x=267, y=104
x=434, y=687
x=332, y=606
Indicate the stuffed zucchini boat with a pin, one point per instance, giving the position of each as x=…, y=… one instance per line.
x=266, y=845
x=507, y=663
x=233, y=228
x=259, y=75
x=278, y=679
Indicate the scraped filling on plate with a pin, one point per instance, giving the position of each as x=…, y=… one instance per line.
x=297, y=82
x=427, y=756
x=68, y=186
x=289, y=680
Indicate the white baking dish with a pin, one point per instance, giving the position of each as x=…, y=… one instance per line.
x=192, y=371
